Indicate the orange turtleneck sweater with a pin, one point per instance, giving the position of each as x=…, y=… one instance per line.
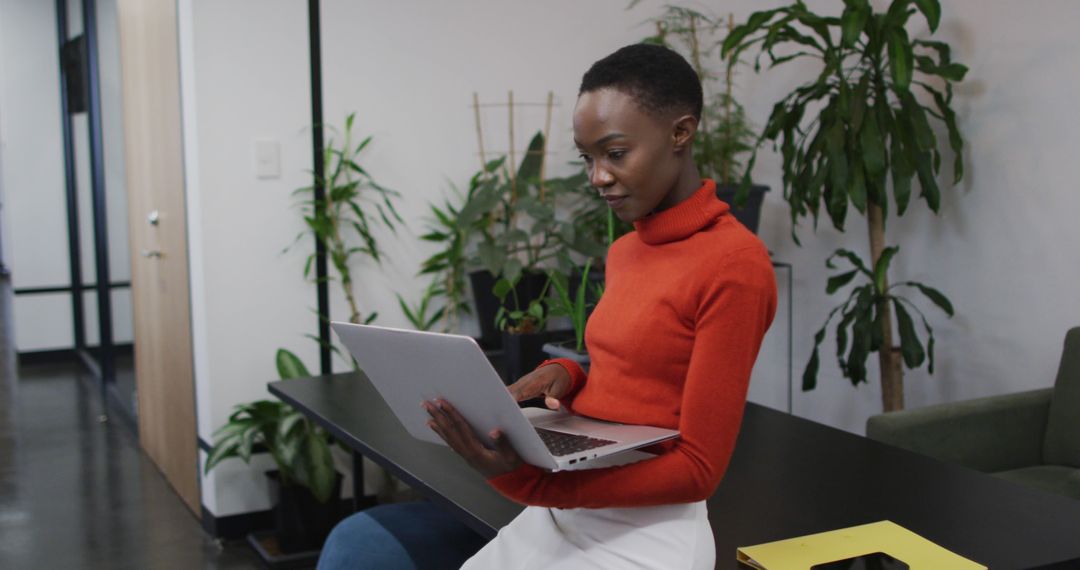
x=688, y=298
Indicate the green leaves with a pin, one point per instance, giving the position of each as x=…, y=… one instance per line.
x=872, y=144
x=900, y=58
x=577, y=307
x=935, y=296
x=932, y=10
x=844, y=133
x=873, y=127
x=853, y=21
x=910, y=347
x=529, y=171
x=838, y=281
x=881, y=268
x=860, y=329
x=352, y=202
x=289, y=365
x=419, y=315
x=300, y=450
x=318, y=466
x=838, y=174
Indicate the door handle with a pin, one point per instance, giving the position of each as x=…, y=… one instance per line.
x=151, y=253
x=153, y=218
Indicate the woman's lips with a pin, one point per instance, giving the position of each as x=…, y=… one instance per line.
x=615, y=201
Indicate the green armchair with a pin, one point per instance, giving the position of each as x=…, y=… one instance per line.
x=1032, y=438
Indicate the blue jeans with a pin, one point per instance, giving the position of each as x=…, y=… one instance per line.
x=401, y=536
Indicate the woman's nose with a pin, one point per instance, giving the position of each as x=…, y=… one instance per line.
x=600, y=177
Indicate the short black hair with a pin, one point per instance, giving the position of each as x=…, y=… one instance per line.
x=659, y=79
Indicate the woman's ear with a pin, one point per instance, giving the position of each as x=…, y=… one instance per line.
x=682, y=132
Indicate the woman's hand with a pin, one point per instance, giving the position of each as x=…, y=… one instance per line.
x=551, y=381
x=456, y=432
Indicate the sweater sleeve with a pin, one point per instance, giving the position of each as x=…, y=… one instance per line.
x=734, y=313
x=577, y=377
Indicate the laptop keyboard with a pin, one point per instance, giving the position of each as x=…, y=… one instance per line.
x=560, y=444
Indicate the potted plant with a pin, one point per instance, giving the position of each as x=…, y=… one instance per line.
x=724, y=133
x=845, y=135
x=511, y=232
x=523, y=323
x=350, y=193
x=306, y=485
x=574, y=305
x=481, y=241
x=508, y=252
x=422, y=315
x=447, y=267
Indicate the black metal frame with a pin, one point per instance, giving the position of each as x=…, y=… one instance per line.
x=790, y=330
x=99, y=360
x=66, y=288
x=3, y=268
x=97, y=174
x=74, y=245
x=318, y=150
x=321, y=270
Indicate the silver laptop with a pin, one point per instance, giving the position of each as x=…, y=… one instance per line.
x=408, y=367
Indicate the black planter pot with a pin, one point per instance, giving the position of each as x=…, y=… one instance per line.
x=524, y=352
x=750, y=213
x=303, y=523
x=487, y=304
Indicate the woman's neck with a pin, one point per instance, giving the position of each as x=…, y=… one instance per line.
x=688, y=182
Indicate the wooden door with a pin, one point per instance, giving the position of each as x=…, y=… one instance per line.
x=159, y=268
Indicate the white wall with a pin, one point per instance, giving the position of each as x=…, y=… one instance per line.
x=241, y=83
x=116, y=215
x=112, y=127
x=32, y=173
x=1000, y=247
x=409, y=69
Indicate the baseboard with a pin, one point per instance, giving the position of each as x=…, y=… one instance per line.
x=238, y=526
x=32, y=357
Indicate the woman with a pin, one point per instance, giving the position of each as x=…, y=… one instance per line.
x=688, y=298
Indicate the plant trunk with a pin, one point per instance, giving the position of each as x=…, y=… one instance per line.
x=892, y=371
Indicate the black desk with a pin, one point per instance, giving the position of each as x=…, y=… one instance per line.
x=788, y=477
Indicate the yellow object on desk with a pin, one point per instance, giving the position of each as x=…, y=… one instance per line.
x=885, y=536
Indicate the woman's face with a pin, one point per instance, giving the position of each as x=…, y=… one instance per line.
x=634, y=158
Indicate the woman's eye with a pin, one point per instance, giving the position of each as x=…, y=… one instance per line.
x=616, y=154
x=585, y=157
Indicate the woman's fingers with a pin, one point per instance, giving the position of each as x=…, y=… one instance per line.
x=502, y=446
x=549, y=380
x=454, y=430
x=462, y=427
x=552, y=403
x=524, y=389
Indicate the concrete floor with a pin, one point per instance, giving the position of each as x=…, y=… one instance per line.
x=78, y=493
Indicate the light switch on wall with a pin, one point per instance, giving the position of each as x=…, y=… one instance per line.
x=267, y=159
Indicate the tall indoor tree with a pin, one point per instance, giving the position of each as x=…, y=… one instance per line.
x=859, y=129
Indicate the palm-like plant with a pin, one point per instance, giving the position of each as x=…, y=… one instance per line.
x=576, y=307
x=871, y=129
x=350, y=193
x=300, y=448
x=454, y=226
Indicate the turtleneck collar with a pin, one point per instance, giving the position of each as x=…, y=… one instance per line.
x=683, y=219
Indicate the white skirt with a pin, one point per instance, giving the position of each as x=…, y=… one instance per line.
x=669, y=537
